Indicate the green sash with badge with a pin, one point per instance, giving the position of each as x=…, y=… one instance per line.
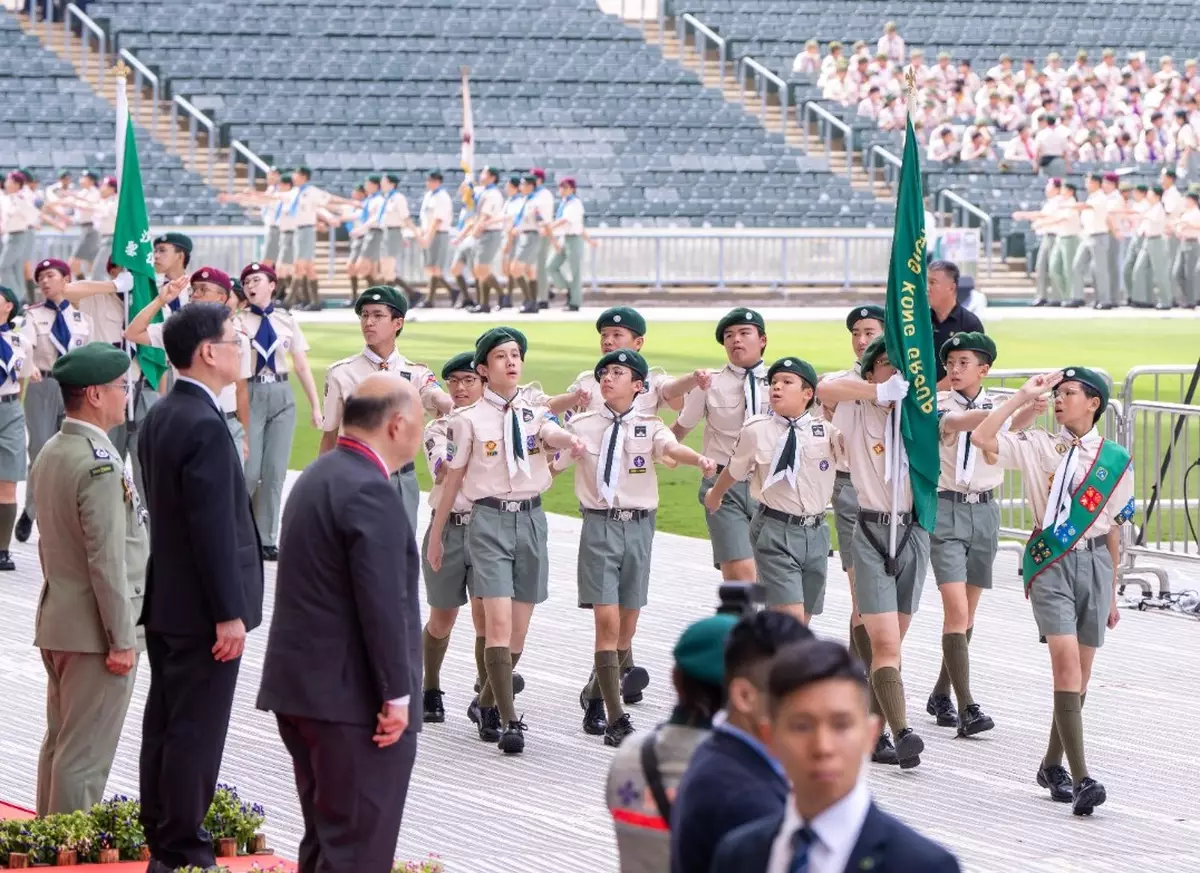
x=1087, y=502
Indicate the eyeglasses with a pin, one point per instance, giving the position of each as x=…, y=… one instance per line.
x=375, y=316
x=123, y=385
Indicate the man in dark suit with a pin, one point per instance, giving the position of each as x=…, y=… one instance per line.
x=343, y=666
x=204, y=585
x=821, y=731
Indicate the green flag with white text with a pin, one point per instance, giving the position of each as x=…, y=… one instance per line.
x=908, y=335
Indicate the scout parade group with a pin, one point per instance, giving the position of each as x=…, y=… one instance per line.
x=779, y=445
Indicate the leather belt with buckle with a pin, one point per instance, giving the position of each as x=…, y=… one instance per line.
x=406, y=469
x=510, y=505
x=788, y=518
x=266, y=377
x=620, y=514
x=230, y=416
x=968, y=497
x=842, y=474
x=884, y=518
x=458, y=519
x=10, y=398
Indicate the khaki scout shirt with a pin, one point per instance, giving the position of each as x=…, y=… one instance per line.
x=343, y=377
x=646, y=441
x=862, y=424
x=649, y=402
x=40, y=321
x=288, y=339
x=723, y=407
x=842, y=465
x=477, y=432
x=1037, y=454
x=13, y=372
x=439, y=451
x=814, y=475
x=985, y=476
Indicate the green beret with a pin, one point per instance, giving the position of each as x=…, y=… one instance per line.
x=303, y=169
x=871, y=354
x=394, y=178
x=969, y=341
x=626, y=358
x=285, y=178
x=1144, y=188
x=858, y=313
x=388, y=295
x=96, y=363
x=700, y=651
x=622, y=316
x=463, y=362
x=741, y=315
x=1090, y=378
x=799, y=367
x=181, y=241
x=12, y=298
x=375, y=177
x=1170, y=171
x=498, y=336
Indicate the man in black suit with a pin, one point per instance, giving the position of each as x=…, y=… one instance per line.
x=343, y=666
x=821, y=730
x=204, y=585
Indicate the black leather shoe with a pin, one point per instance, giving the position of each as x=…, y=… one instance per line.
x=633, y=683
x=1038, y=301
x=6, y=561
x=270, y=553
x=24, y=528
x=941, y=706
x=505, y=302
x=518, y=684
x=489, y=724
x=594, y=722
x=1073, y=304
x=1103, y=307
x=1088, y=795
x=885, y=752
x=545, y=304
x=616, y=732
x=529, y=308
x=909, y=747
x=512, y=741
x=1058, y=781
x=435, y=713
x=974, y=721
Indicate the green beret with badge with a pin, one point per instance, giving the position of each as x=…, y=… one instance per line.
x=796, y=367
x=498, y=336
x=739, y=316
x=12, y=298
x=700, y=651
x=181, y=241
x=858, y=313
x=969, y=341
x=874, y=350
x=375, y=177
x=622, y=316
x=388, y=295
x=1092, y=379
x=625, y=358
x=96, y=363
x=463, y=362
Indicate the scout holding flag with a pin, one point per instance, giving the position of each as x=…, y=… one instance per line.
x=1080, y=486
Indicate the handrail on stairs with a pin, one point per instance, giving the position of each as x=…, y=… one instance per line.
x=827, y=122
x=253, y=163
x=142, y=74
x=962, y=207
x=702, y=36
x=870, y=153
x=86, y=26
x=761, y=76
x=196, y=119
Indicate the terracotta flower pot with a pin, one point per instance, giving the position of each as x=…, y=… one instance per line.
x=143, y=853
x=227, y=847
x=109, y=856
x=18, y=861
x=66, y=858
x=258, y=845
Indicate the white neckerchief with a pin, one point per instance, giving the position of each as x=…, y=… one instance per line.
x=612, y=445
x=751, y=390
x=1058, y=506
x=964, y=458
x=515, y=454
x=889, y=448
x=392, y=363
x=785, y=463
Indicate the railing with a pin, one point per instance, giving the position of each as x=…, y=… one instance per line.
x=86, y=27
x=196, y=119
x=1183, y=377
x=761, y=77
x=639, y=6
x=141, y=77
x=254, y=164
x=702, y=37
x=827, y=123
x=962, y=208
x=887, y=171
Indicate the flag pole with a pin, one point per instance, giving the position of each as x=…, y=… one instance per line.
x=467, y=153
x=121, y=72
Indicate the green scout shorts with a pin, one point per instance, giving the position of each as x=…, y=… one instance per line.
x=410, y=493
x=508, y=553
x=729, y=526
x=528, y=247
x=372, y=244
x=845, y=515
x=306, y=242
x=287, y=247
x=964, y=542
x=489, y=247
x=271, y=244
x=393, y=242
x=12, y=440
x=356, y=244
x=465, y=253
x=1074, y=594
x=792, y=562
x=449, y=587
x=614, y=559
x=874, y=590
x=436, y=257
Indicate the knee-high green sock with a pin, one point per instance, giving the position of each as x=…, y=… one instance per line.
x=435, y=653
x=626, y=656
x=461, y=281
x=484, y=291
x=608, y=676
x=1054, y=749
x=1068, y=720
x=864, y=654
x=516, y=656
x=354, y=288
x=500, y=671
x=481, y=668
x=853, y=644
x=943, y=684
x=890, y=690
x=957, y=662
x=8, y=517
x=314, y=291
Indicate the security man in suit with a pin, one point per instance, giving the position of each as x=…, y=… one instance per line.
x=93, y=550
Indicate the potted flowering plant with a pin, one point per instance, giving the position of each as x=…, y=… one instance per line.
x=233, y=823
x=117, y=819
x=104, y=848
x=432, y=864
x=15, y=843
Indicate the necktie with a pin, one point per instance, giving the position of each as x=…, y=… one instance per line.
x=515, y=456
x=265, y=338
x=6, y=353
x=608, y=470
x=60, y=332
x=802, y=842
x=786, y=461
x=964, y=461
x=750, y=386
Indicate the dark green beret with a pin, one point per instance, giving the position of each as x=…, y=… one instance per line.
x=12, y=298
x=622, y=316
x=463, y=362
x=858, y=313
x=96, y=363
x=1142, y=187
x=303, y=169
x=871, y=354
x=285, y=178
x=969, y=341
x=801, y=368
x=388, y=295
x=738, y=316
x=394, y=178
x=700, y=651
x=375, y=177
x=626, y=358
x=1169, y=171
x=181, y=241
x=1090, y=378
x=498, y=336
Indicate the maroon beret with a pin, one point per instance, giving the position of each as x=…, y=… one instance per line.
x=52, y=264
x=568, y=180
x=1112, y=177
x=265, y=269
x=539, y=172
x=110, y=181
x=211, y=274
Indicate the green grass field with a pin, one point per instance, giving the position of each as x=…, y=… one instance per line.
x=559, y=351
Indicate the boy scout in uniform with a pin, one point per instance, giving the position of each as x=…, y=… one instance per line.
x=1080, y=486
x=93, y=552
x=617, y=488
x=500, y=464
x=543, y=199
x=488, y=229
x=13, y=371
x=788, y=456
x=887, y=591
x=381, y=310
x=274, y=336
x=436, y=215
x=737, y=392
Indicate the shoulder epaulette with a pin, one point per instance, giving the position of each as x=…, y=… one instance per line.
x=580, y=416
x=99, y=452
x=343, y=361
x=756, y=419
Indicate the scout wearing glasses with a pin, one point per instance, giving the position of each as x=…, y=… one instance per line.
x=737, y=393
x=617, y=487
x=500, y=464
x=13, y=371
x=1080, y=486
x=788, y=457
x=887, y=591
x=381, y=310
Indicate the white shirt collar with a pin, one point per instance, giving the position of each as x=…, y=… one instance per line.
x=837, y=830
x=87, y=425
x=207, y=390
x=393, y=360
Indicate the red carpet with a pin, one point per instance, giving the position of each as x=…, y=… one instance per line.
x=7, y=810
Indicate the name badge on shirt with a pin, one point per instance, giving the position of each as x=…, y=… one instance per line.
x=639, y=430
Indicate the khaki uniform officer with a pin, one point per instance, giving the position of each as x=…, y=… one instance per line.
x=568, y=222
x=55, y=328
x=13, y=370
x=93, y=549
x=381, y=310
x=305, y=206
x=1080, y=486
x=1093, y=253
x=789, y=457
x=617, y=488
x=501, y=465
x=737, y=393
